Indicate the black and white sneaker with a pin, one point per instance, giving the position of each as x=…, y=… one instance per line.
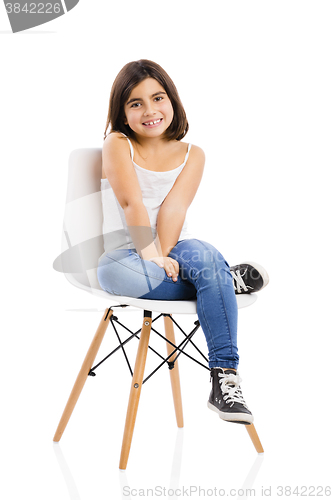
x=226, y=397
x=249, y=277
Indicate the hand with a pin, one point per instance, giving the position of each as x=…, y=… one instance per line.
x=170, y=266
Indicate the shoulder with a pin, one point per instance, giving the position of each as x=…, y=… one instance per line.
x=116, y=154
x=197, y=152
x=115, y=142
x=196, y=156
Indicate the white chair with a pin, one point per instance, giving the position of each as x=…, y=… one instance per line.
x=82, y=247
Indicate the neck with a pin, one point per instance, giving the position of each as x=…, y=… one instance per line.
x=151, y=143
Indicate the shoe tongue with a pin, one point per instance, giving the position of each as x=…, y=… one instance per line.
x=227, y=372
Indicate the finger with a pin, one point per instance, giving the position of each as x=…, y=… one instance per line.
x=172, y=272
x=174, y=263
x=157, y=262
x=169, y=270
x=175, y=266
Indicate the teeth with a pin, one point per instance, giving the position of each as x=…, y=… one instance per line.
x=154, y=122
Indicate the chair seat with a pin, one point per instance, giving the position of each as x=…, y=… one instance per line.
x=160, y=306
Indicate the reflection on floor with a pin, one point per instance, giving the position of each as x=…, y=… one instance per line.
x=174, y=476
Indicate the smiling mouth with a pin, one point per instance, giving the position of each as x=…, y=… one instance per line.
x=152, y=123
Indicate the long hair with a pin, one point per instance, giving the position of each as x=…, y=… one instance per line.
x=129, y=77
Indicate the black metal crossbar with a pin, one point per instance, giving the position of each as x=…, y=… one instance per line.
x=180, y=348
x=189, y=338
x=133, y=334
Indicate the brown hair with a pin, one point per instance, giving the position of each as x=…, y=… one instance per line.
x=129, y=77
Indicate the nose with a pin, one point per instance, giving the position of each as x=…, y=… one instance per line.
x=149, y=109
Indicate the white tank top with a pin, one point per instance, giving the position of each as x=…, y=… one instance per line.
x=155, y=186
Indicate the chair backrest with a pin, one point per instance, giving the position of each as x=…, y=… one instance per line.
x=82, y=242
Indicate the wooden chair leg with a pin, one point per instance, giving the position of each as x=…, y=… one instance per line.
x=255, y=438
x=135, y=392
x=174, y=373
x=83, y=374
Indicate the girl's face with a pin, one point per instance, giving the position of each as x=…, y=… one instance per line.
x=148, y=109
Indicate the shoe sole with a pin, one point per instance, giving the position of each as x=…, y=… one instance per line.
x=236, y=418
x=261, y=270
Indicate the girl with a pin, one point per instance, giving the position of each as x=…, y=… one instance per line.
x=149, y=180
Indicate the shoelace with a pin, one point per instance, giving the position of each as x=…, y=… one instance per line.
x=230, y=389
x=238, y=281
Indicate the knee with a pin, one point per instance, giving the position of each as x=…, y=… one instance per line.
x=206, y=261
x=208, y=256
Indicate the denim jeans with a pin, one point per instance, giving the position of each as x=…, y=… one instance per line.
x=203, y=273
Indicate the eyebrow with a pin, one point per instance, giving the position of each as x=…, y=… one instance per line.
x=139, y=99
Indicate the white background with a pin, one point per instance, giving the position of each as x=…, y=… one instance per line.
x=256, y=80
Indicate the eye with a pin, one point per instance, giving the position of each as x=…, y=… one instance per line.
x=159, y=98
x=135, y=104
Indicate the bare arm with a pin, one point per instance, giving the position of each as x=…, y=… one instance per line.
x=121, y=175
x=172, y=213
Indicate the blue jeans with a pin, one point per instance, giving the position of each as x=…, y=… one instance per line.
x=203, y=273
